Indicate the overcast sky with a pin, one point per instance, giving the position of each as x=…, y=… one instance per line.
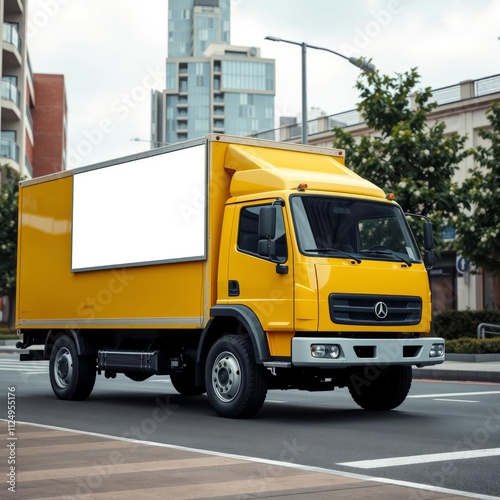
x=112, y=53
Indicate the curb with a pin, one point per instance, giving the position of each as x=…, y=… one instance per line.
x=456, y=375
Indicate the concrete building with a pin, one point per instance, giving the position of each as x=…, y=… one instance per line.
x=33, y=107
x=16, y=142
x=463, y=108
x=211, y=86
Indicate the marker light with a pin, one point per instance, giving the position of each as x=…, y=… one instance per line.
x=390, y=196
x=302, y=186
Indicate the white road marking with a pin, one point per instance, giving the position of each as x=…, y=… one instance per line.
x=456, y=400
x=422, y=459
x=290, y=465
x=451, y=394
x=31, y=368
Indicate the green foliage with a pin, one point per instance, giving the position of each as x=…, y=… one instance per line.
x=8, y=231
x=478, y=222
x=452, y=324
x=407, y=156
x=473, y=346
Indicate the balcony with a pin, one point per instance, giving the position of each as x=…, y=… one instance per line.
x=10, y=101
x=13, y=7
x=12, y=51
x=219, y=112
x=9, y=149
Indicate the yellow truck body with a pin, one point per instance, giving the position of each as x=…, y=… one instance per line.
x=219, y=256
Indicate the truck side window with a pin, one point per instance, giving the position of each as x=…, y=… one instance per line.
x=248, y=232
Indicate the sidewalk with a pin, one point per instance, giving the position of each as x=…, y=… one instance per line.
x=61, y=463
x=488, y=371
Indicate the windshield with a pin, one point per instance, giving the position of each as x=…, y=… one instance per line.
x=359, y=229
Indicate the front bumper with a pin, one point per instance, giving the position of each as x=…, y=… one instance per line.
x=354, y=352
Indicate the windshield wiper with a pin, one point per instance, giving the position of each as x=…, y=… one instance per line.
x=334, y=250
x=388, y=252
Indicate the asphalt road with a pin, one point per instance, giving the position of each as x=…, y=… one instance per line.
x=444, y=435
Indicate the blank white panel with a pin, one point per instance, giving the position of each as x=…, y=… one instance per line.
x=144, y=211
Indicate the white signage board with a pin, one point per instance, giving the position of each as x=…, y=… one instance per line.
x=145, y=211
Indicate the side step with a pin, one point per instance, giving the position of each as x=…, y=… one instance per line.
x=146, y=362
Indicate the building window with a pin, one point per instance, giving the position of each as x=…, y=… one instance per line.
x=245, y=75
x=171, y=76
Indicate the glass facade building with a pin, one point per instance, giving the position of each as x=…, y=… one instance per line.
x=210, y=85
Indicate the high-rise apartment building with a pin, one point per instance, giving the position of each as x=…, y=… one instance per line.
x=22, y=92
x=16, y=140
x=211, y=86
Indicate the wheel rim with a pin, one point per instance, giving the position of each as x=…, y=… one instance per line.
x=226, y=376
x=63, y=367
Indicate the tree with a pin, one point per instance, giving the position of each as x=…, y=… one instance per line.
x=478, y=222
x=8, y=236
x=408, y=157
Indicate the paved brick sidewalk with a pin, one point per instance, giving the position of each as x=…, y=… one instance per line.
x=61, y=464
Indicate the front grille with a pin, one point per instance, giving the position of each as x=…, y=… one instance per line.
x=347, y=309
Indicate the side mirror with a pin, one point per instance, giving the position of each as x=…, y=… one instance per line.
x=267, y=232
x=428, y=236
x=267, y=235
x=267, y=222
x=428, y=246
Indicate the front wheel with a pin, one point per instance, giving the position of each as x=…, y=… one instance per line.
x=71, y=376
x=380, y=388
x=184, y=383
x=236, y=385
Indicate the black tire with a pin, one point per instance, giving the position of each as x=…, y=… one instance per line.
x=137, y=376
x=71, y=376
x=184, y=383
x=236, y=385
x=380, y=388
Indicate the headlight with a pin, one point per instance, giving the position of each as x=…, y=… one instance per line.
x=437, y=351
x=332, y=351
x=318, y=351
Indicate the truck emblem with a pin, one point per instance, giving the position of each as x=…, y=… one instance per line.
x=381, y=310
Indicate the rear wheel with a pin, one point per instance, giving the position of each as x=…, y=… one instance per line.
x=71, y=376
x=380, y=388
x=236, y=385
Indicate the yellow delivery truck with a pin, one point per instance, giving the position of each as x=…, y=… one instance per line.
x=231, y=264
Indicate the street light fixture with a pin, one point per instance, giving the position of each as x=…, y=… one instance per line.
x=157, y=144
x=359, y=62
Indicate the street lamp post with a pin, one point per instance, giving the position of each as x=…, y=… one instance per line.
x=359, y=62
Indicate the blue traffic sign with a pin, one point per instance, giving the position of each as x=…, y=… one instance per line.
x=463, y=264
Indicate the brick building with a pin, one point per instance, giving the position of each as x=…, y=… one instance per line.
x=49, y=120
